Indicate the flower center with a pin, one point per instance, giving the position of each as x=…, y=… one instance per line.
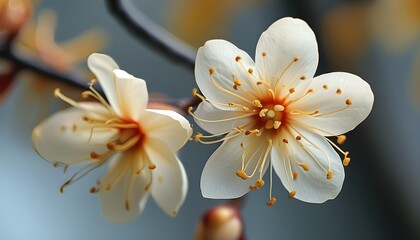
x=270, y=116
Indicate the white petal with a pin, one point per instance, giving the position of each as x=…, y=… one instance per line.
x=221, y=56
x=310, y=186
x=128, y=195
x=167, y=126
x=219, y=179
x=131, y=95
x=170, y=183
x=103, y=66
x=65, y=138
x=328, y=100
x=207, y=111
x=285, y=40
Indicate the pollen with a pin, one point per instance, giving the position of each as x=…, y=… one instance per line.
x=298, y=138
x=349, y=102
x=94, y=155
x=242, y=174
x=152, y=166
x=211, y=70
x=197, y=137
x=238, y=58
x=330, y=175
x=257, y=185
x=291, y=90
x=250, y=71
x=325, y=86
x=292, y=194
x=295, y=59
x=264, y=53
x=257, y=103
x=263, y=112
x=272, y=201
x=346, y=161
x=294, y=175
x=341, y=139
x=338, y=91
x=127, y=205
x=304, y=166
x=302, y=77
x=285, y=140
x=278, y=108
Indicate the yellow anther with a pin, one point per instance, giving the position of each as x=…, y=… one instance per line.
x=285, y=140
x=94, y=155
x=330, y=175
x=197, y=137
x=310, y=91
x=257, y=185
x=325, y=86
x=152, y=166
x=291, y=90
x=348, y=102
x=238, y=58
x=338, y=91
x=263, y=112
x=242, y=174
x=294, y=175
x=269, y=124
x=110, y=146
x=295, y=59
x=257, y=103
x=278, y=108
x=271, y=202
x=93, y=190
x=302, y=77
x=264, y=54
x=250, y=71
x=292, y=194
x=304, y=166
x=237, y=82
x=212, y=70
x=248, y=132
x=277, y=124
x=341, y=139
x=196, y=94
x=346, y=161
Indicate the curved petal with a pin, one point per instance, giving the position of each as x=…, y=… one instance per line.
x=219, y=179
x=170, y=183
x=167, y=126
x=127, y=196
x=285, y=41
x=103, y=66
x=206, y=111
x=66, y=138
x=310, y=186
x=220, y=57
x=131, y=95
x=330, y=98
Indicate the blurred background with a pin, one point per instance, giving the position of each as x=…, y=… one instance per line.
x=375, y=39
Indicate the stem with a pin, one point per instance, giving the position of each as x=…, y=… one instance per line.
x=157, y=37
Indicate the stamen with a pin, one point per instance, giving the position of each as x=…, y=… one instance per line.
x=346, y=161
x=325, y=86
x=124, y=146
x=263, y=112
x=212, y=70
x=257, y=185
x=272, y=201
x=341, y=139
x=152, y=166
x=304, y=166
x=302, y=77
x=338, y=91
x=329, y=175
x=292, y=194
x=257, y=103
x=277, y=124
x=294, y=175
x=278, y=108
x=196, y=94
x=242, y=174
x=238, y=58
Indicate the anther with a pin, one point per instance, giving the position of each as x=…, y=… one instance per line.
x=292, y=194
x=269, y=124
x=127, y=205
x=329, y=174
x=325, y=86
x=197, y=137
x=341, y=139
x=257, y=103
x=285, y=140
x=110, y=146
x=152, y=166
x=271, y=202
x=302, y=78
x=278, y=108
x=294, y=175
x=85, y=94
x=304, y=166
x=94, y=155
x=264, y=54
x=291, y=90
x=298, y=138
x=348, y=102
x=238, y=58
x=237, y=82
x=338, y=91
x=310, y=91
x=57, y=92
x=263, y=112
x=242, y=174
x=211, y=70
x=277, y=124
x=295, y=59
x=196, y=94
x=346, y=161
x=93, y=190
x=250, y=71
x=257, y=185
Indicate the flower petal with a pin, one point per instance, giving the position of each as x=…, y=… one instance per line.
x=167, y=126
x=310, y=186
x=126, y=198
x=206, y=111
x=170, y=183
x=290, y=50
x=103, y=66
x=220, y=57
x=66, y=138
x=343, y=100
x=219, y=179
x=131, y=95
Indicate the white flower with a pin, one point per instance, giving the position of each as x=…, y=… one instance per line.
x=139, y=143
x=274, y=114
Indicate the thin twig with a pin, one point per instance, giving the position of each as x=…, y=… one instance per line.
x=157, y=37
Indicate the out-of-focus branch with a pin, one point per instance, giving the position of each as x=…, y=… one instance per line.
x=22, y=62
x=157, y=37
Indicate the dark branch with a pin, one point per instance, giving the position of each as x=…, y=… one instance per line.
x=157, y=37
